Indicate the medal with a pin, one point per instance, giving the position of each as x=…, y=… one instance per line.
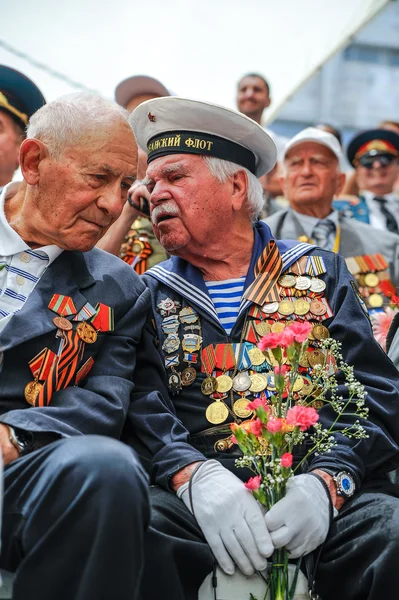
x=278, y=327
x=317, y=308
x=170, y=324
x=271, y=382
x=188, y=315
x=302, y=283
x=171, y=343
x=256, y=355
x=86, y=332
x=287, y=281
x=32, y=390
x=223, y=383
x=286, y=307
x=316, y=357
x=62, y=305
x=304, y=361
x=317, y=285
x=258, y=382
x=188, y=376
x=307, y=386
x=241, y=382
x=168, y=307
x=262, y=328
x=174, y=381
x=62, y=323
x=371, y=280
x=298, y=384
x=216, y=413
x=191, y=342
x=301, y=307
x=172, y=361
x=270, y=308
x=375, y=300
x=320, y=332
x=208, y=386
x=240, y=409
x=103, y=320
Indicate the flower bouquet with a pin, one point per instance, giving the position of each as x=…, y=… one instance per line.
x=289, y=418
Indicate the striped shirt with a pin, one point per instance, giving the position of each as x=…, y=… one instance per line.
x=20, y=267
x=226, y=297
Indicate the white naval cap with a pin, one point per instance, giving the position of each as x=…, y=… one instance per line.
x=318, y=136
x=176, y=125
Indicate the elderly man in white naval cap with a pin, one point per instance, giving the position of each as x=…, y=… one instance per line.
x=221, y=282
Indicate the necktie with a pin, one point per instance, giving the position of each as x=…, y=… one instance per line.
x=322, y=232
x=389, y=218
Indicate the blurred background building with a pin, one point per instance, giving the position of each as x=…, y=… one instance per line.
x=356, y=88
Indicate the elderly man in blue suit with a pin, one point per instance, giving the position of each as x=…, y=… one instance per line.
x=71, y=319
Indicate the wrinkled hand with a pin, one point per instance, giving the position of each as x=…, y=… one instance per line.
x=230, y=518
x=137, y=192
x=8, y=451
x=301, y=520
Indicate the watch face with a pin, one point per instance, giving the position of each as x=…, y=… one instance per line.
x=345, y=484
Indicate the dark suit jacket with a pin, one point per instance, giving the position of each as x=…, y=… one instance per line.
x=122, y=360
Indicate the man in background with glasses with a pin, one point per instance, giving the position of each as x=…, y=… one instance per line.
x=375, y=156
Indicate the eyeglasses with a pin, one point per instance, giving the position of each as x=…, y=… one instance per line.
x=368, y=161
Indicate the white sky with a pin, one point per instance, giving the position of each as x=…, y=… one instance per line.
x=197, y=48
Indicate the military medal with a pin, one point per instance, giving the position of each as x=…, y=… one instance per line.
x=170, y=324
x=317, y=308
x=317, y=285
x=40, y=367
x=320, y=332
x=62, y=323
x=208, y=386
x=191, y=342
x=286, y=307
x=301, y=307
x=240, y=409
x=188, y=376
x=256, y=355
x=168, y=307
x=302, y=283
x=216, y=413
x=258, y=383
x=271, y=382
x=278, y=327
x=174, y=381
x=241, y=382
x=84, y=370
x=304, y=360
x=188, y=315
x=298, y=384
x=287, y=281
x=103, y=320
x=307, y=386
x=224, y=383
x=316, y=357
x=375, y=300
x=270, y=308
x=32, y=390
x=262, y=328
x=371, y=280
x=171, y=343
x=86, y=332
x=62, y=305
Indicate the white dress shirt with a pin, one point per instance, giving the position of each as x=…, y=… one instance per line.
x=20, y=267
x=308, y=223
x=377, y=219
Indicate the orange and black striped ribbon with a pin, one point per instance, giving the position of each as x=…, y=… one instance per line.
x=267, y=271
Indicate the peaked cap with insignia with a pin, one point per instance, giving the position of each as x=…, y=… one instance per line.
x=19, y=96
x=181, y=126
x=373, y=142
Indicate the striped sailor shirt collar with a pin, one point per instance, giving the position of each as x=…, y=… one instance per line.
x=11, y=243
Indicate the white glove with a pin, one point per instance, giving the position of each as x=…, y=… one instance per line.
x=230, y=518
x=301, y=520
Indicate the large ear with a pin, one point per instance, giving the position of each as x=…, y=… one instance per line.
x=31, y=153
x=240, y=189
x=340, y=183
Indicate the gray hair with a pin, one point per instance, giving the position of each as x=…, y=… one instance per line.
x=223, y=169
x=66, y=121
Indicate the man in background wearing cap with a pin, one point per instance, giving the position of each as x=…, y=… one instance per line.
x=312, y=175
x=19, y=99
x=212, y=301
x=375, y=156
x=132, y=237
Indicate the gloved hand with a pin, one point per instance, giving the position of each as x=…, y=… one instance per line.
x=301, y=520
x=230, y=518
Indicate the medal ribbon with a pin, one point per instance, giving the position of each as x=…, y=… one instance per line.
x=84, y=370
x=208, y=359
x=225, y=359
x=103, y=320
x=250, y=333
x=315, y=266
x=40, y=365
x=267, y=270
x=85, y=313
x=139, y=261
x=62, y=305
x=243, y=360
x=299, y=266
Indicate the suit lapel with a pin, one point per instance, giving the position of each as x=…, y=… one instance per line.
x=67, y=275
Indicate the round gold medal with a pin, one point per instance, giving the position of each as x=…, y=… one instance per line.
x=240, y=409
x=317, y=404
x=286, y=307
x=316, y=357
x=287, y=281
x=320, y=332
x=224, y=383
x=32, y=390
x=317, y=308
x=62, y=323
x=375, y=300
x=216, y=413
x=86, y=332
x=307, y=386
x=258, y=383
x=208, y=386
x=262, y=328
x=304, y=360
x=298, y=384
x=371, y=280
x=301, y=307
x=188, y=376
x=257, y=357
x=278, y=327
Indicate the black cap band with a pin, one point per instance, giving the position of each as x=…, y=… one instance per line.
x=193, y=142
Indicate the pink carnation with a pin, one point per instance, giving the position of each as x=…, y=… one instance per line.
x=288, y=336
x=301, y=331
x=253, y=483
x=234, y=439
x=272, y=340
x=302, y=417
x=256, y=427
x=274, y=425
x=281, y=370
x=255, y=404
x=286, y=460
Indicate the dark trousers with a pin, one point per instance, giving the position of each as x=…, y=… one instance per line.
x=359, y=560
x=75, y=514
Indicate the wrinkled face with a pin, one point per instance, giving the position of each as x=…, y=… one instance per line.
x=311, y=175
x=252, y=96
x=83, y=192
x=10, y=142
x=188, y=204
x=379, y=179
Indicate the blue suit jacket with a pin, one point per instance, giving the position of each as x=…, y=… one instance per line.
x=117, y=387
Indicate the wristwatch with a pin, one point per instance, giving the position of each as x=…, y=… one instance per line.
x=344, y=482
x=22, y=440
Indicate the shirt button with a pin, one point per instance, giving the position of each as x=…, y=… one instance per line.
x=20, y=279
x=25, y=257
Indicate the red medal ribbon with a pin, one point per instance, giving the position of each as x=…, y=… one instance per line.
x=62, y=305
x=103, y=320
x=40, y=365
x=208, y=359
x=225, y=357
x=250, y=333
x=84, y=370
